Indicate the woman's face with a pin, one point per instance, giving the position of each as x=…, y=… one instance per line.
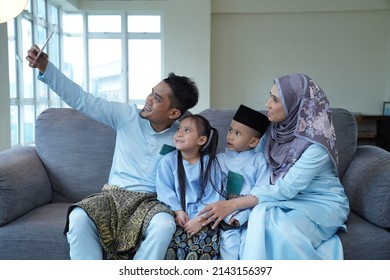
x=275, y=107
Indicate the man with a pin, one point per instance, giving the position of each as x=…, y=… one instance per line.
x=125, y=220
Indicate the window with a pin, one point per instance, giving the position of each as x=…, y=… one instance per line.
x=113, y=56
x=123, y=57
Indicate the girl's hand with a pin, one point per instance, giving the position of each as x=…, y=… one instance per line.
x=181, y=218
x=216, y=212
x=193, y=226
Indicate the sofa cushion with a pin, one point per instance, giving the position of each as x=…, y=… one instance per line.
x=38, y=235
x=346, y=136
x=24, y=184
x=367, y=185
x=364, y=240
x=220, y=119
x=69, y=144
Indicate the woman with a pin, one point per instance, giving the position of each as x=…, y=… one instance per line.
x=299, y=212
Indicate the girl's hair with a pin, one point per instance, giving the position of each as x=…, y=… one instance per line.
x=209, y=148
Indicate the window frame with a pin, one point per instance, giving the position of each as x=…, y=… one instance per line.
x=53, y=22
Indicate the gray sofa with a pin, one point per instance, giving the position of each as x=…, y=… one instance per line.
x=72, y=158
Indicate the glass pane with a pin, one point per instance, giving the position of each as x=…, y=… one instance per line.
x=144, y=68
x=54, y=14
x=72, y=23
x=54, y=47
x=11, y=59
x=143, y=24
x=73, y=66
x=53, y=50
x=104, y=23
x=14, y=125
x=28, y=73
x=42, y=36
x=41, y=107
x=41, y=11
x=105, y=68
x=29, y=124
x=41, y=91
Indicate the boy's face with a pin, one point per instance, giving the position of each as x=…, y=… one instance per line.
x=241, y=137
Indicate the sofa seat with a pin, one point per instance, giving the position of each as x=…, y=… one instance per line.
x=364, y=240
x=37, y=234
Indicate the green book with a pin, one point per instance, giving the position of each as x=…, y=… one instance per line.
x=234, y=183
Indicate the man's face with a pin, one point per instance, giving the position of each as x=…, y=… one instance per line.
x=157, y=107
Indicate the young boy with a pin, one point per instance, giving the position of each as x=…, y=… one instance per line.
x=243, y=168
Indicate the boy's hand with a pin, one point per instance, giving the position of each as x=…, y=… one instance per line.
x=234, y=222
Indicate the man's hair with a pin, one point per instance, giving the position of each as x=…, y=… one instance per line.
x=185, y=92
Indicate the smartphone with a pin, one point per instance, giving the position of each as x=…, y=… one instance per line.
x=43, y=47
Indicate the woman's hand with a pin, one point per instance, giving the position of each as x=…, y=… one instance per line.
x=216, y=212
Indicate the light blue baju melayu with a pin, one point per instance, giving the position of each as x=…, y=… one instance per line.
x=134, y=165
x=167, y=185
x=253, y=167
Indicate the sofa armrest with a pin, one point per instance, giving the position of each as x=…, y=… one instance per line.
x=367, y=184
x=24, y=184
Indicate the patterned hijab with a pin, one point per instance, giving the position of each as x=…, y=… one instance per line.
x=308, y=120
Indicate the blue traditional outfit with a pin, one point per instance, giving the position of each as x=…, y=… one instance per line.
x=132, y=175
x=299, y=213
x=168, y=189
x=243, y=170
x=252, y=166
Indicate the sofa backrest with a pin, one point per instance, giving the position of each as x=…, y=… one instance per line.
x=76, y=152
x=343, y=121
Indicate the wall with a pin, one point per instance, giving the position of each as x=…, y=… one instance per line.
x=343, y=45
x=187, y=27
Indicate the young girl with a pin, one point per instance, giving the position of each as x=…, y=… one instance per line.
x=188, y=179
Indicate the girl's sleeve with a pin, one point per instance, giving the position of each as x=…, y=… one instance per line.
x=298, y=178
x=165, y=183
